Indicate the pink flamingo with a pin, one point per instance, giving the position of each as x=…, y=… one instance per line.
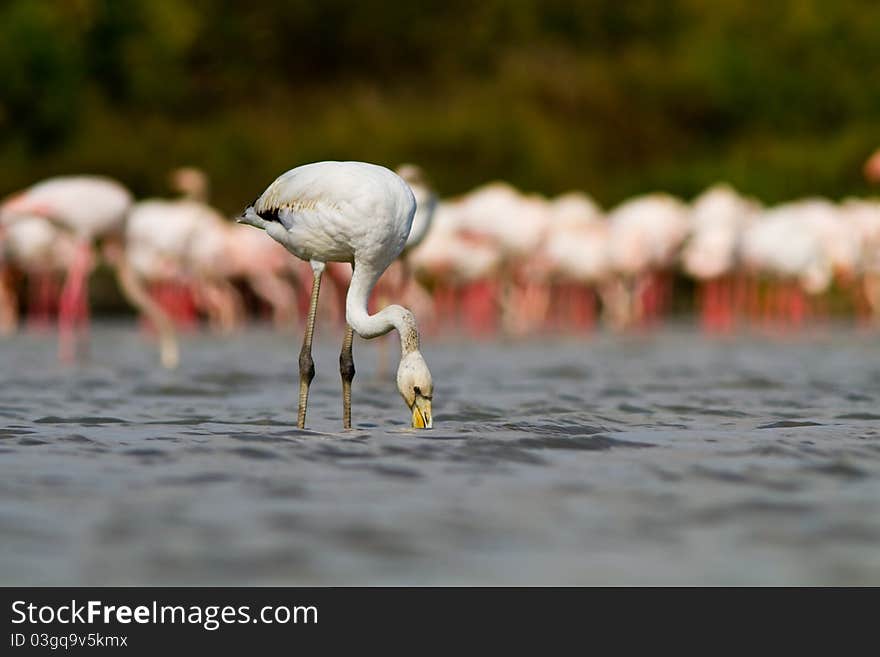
x=785, y=245
x=462, y=269
x=516, y=225
x=718, y=218
x=89, y=208
x=646, y=234
x=863, y=219
x=264, y=265
x=43, y=252
x=578, y=266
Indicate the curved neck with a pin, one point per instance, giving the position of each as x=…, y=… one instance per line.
x=391, y=317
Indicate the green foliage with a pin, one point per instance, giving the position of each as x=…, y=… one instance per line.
x=782, y=99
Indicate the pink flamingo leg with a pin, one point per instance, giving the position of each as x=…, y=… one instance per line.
x=82, y=312
x=705, y=302
x=584, y=309
x=189, y=315
x=40, y=301
x=727, y=302
x=798, y=306
x=73, y=299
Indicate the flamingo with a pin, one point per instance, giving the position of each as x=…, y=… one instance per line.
x=185, y=273
x=156, y=238
x=426, y=206
x=201, y=268
x=645, y=235
x=362, y=214
x=516, y=225
x=575, y=256
x=787, y=243
x=463, y=269
x=209, y=262
x=571, y=259
x=42, y=251
x=864, y=219
x=75, y=211
x=263, y=264
x=398, y=279
x=718, y=218
x=89, y=208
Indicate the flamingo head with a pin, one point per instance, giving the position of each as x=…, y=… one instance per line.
x=412, y=174
x=872, y=168
x=192, y=182
x=416, y=387
x=250, y=217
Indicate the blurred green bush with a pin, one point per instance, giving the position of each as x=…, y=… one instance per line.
x=780, y=98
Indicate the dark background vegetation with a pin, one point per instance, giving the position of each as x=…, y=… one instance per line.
x=615, y=97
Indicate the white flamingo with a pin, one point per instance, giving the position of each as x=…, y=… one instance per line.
x=398, y=279
x=362, y=214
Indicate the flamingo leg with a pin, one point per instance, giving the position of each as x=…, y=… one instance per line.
x=73, y=298
x=346, y=370
x=83, y=318
x=137, y=295
x=306, y=364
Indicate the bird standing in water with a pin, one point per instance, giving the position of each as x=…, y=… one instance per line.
x=349, y=212
x=85, y=209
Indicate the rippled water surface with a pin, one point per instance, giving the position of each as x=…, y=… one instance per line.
x=668, y=458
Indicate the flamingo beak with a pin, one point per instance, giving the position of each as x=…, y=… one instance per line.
x=251, y=218
x=421, y=413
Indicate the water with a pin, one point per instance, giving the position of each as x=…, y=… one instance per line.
x=659, y=459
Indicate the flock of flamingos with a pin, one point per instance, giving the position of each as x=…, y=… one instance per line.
x=492, y=261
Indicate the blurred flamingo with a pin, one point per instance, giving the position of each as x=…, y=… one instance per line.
x=719, y=217
x=646, y=234
x=89, y=208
